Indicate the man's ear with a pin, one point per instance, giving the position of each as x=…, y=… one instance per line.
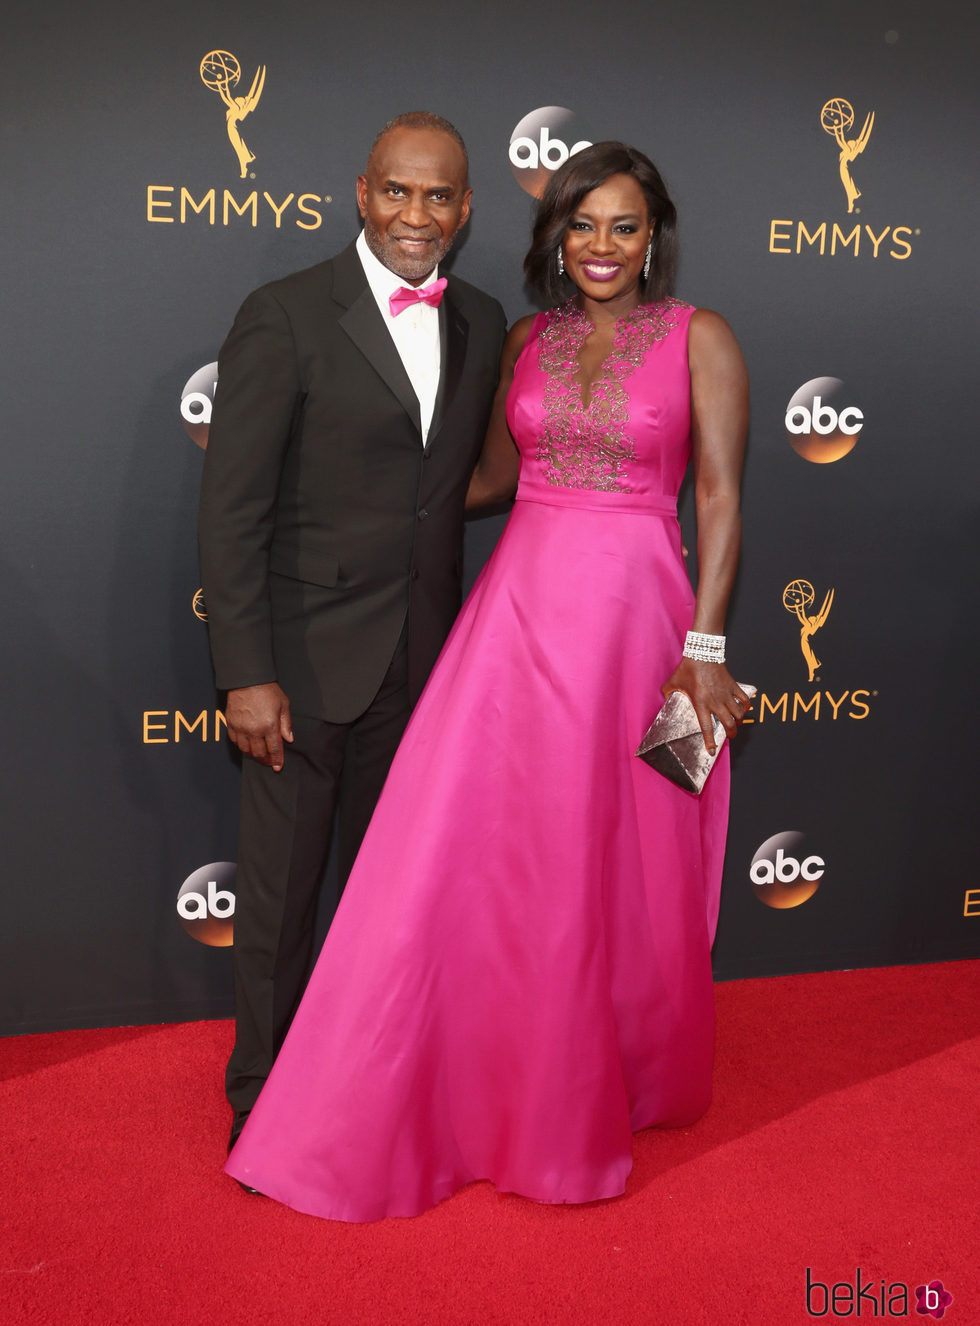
x=464, y=215
x=360, y=190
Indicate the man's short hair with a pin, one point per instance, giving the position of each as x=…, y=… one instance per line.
x=423, y=120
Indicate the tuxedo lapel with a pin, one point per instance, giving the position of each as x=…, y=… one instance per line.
x=365, y=326
x=453, y=335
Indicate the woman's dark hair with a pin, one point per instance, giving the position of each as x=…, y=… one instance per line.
x=580, y=174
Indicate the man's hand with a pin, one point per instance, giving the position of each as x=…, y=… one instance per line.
x=259, y=722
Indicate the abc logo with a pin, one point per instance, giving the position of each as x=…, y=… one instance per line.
x=543, y=141
x=819, y=424
x=206, y=904
x=782, y=875
x=195, y=403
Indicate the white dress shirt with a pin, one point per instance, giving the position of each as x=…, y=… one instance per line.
x=415, y=331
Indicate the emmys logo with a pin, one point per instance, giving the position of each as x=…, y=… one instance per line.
x=829, y=238
x=819, y=427
x=198, y=606
x=206, y=904
x=783, y=877
x=798, y=597
x=836, y=117
x=220, y=71
x=167, y=204
x=195, y=403
x=543, y=141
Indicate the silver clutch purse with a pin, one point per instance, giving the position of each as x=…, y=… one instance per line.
x=674, y=744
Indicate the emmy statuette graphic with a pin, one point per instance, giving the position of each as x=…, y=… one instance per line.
x=797, y=597
x=220, y=71
x=836, y=117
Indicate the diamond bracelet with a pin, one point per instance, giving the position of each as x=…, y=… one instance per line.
x=704, y=648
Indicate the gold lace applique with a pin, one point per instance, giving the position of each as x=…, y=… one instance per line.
x=589, y=446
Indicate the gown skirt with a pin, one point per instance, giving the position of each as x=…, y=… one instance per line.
x=518, y=975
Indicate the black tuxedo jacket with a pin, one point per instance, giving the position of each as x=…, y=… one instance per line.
x=323, y=520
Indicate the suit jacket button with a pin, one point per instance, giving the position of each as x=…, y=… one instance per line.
x=423, y=513
x=415, y=574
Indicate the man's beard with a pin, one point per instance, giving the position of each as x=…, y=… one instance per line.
x=404, y=265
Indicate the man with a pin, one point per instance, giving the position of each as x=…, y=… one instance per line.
x=352, y=402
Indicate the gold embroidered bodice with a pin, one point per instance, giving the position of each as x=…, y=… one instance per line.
x=589, y=446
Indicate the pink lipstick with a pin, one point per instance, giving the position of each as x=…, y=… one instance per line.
x=600, y=271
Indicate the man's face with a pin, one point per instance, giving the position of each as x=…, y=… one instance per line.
x=413, y=198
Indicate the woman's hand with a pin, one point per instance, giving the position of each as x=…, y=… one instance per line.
x=712, y=690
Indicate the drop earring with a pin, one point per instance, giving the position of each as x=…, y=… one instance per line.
x=561, y=265
x=646, y=261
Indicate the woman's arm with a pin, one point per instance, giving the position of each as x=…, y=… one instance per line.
x=719, y=422
x=495, y=477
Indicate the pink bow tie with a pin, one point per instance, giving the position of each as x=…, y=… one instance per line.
x=406, y=296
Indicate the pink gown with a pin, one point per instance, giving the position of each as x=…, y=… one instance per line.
x=518, y=975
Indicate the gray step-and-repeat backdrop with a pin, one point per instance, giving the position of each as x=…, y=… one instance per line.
x=161, y=162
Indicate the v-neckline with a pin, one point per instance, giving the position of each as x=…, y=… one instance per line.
x=604, y=363
x=600, y=371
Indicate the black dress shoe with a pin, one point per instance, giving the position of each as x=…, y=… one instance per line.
x=237, y=1124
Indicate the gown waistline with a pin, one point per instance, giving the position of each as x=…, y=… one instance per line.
x=590, y=499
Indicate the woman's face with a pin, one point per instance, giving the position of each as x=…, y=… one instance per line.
x=606, y=240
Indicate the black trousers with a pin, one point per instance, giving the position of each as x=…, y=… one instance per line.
x=284, y=841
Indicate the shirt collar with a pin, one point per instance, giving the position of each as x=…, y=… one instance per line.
x=382, y=281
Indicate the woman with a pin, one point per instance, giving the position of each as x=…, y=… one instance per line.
x=518, y=975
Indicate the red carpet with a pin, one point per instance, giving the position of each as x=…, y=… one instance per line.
x=844, y=1135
